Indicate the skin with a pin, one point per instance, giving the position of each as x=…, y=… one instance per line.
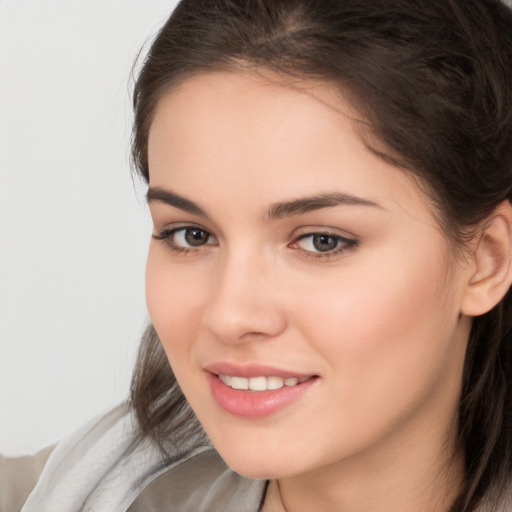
x=379, y=322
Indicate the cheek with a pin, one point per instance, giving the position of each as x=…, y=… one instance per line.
x=377, y=296
x=385, y=330
x=174, y=297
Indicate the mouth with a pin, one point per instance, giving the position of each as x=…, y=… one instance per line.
x=256, y=391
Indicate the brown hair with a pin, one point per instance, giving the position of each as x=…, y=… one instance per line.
x=433, y=80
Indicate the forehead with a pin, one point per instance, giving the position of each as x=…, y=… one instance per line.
x=260, y=107
x=237, y=133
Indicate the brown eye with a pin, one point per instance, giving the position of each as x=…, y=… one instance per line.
x=324, y=243
x=195, y=237
x=186, y=238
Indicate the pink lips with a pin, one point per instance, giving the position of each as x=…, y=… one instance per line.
x=255, y=404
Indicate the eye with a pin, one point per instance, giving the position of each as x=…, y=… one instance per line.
x=320, y=242
x=191, y=237
x=324, y=244
x=186, y=238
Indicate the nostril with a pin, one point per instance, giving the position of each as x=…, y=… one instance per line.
x=243, y=322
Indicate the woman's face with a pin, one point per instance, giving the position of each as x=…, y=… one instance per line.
x=289, y=259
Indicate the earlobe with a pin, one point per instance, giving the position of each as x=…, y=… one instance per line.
x=491, y=271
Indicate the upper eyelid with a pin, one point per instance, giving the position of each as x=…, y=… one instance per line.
x=176, y=226
x=326, y=233
x=174, y=230
x=323, y=230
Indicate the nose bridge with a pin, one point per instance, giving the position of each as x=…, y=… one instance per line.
x=243, y=303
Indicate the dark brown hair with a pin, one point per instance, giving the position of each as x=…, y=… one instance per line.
x=433, y=80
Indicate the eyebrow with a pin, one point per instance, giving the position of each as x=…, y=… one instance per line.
x=316, y=202
x=160, y=195
x=276, y=211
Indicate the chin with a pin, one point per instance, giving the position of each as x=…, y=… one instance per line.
x=257, y=470
x=259, y=464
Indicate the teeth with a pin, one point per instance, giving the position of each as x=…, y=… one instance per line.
x=259, y=383
x=275, y=382
x=239, y=383
x=226, y=379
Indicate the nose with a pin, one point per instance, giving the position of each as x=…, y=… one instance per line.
x=244, y=302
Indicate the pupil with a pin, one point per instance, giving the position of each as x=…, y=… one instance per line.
x=196, y=237
x=324, y=243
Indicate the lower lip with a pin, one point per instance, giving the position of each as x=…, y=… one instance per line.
x=256, y=404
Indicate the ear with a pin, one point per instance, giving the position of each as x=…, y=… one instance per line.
x=491, y=263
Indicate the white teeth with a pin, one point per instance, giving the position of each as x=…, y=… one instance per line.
x=226, y=379
x=239, y=383
x=275, y=382
x=259, y=383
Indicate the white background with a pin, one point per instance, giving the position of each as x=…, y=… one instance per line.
x=73, y=227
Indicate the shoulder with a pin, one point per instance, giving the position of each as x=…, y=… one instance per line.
x=106, y=467
x=18, y=476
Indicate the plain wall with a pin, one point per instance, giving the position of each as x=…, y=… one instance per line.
x=74, y=229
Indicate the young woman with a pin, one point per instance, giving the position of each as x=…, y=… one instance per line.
x=328, y=277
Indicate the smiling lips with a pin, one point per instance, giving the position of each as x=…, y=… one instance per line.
x=255, y=392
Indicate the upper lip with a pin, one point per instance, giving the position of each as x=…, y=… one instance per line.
x=252, y=370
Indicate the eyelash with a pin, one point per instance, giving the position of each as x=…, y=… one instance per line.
x=167, y=236
x=342, y=244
